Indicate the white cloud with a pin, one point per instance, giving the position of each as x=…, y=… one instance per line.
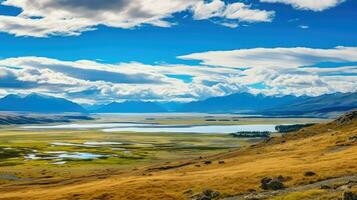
x=204, y=10
x=31, y=78
x=279, y=70
x=88, y=70
x=83, y=79
x=344, y=70
x=295, y=80
x=245, y=13
x=229, y=24
x=274, y=57
x=287, y=70
x=235, y=11
x=42, y=18
x=314, y=5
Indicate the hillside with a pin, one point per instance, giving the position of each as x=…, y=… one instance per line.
x=337, y=102
x=15, y=118
x=38, y=104
x=318, y=162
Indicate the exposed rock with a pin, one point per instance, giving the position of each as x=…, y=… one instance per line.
x=347, y=118
x=206, y=195
x=309, y=173
x=276, y=185
x=221, y=162
x=349, y=196
x=272, y=184
x=264, y=182
x=208, y=162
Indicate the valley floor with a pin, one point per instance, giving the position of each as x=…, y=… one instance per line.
x=328, y=150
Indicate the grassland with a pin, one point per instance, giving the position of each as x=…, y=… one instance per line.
x=176, y=166
x=132, y=150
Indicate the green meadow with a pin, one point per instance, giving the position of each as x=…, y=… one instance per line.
x=28, y=154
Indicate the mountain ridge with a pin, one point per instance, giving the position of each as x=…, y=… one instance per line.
x=335, y=102
x=38, y=103
x=242, y=103
x=131, y=107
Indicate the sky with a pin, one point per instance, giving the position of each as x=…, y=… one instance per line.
x=96, y=52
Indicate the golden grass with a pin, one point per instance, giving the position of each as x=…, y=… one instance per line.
x=325, y=149
x=309, y=194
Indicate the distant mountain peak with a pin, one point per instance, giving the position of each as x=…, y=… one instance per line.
x=38, y=103
x=132, y=107
x=43, y=96
x=242, y=102
x=36, y=95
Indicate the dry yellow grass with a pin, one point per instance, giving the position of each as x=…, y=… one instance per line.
x=329, y=150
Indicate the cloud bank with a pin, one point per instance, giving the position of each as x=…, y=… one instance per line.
x=274, y=57
x=43, y=18
x=277, y=71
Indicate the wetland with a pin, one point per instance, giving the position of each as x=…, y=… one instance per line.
x=122, y=142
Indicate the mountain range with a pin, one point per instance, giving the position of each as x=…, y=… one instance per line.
x=38, y=104
x=240, y=103
x=244, y=103
x=131, y=107
x=327, y=103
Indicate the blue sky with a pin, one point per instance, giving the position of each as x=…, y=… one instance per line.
x=177, y=50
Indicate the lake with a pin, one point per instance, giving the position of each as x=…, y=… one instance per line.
x=140, y=127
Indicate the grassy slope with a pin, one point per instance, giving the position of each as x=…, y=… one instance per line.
x=326, y=149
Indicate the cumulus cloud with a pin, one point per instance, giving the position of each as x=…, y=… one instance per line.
x=88, y=70
x=319, y=5
x=287, y=70
x=85, y=79
x=277, y=70
x=29, y=78
x=235, y=11
x=9, y=79
x=42, y=18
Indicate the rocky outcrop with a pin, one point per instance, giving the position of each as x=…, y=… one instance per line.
x=347, y=118
x=349, y=196
x=206, y=195
x=272, y=184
